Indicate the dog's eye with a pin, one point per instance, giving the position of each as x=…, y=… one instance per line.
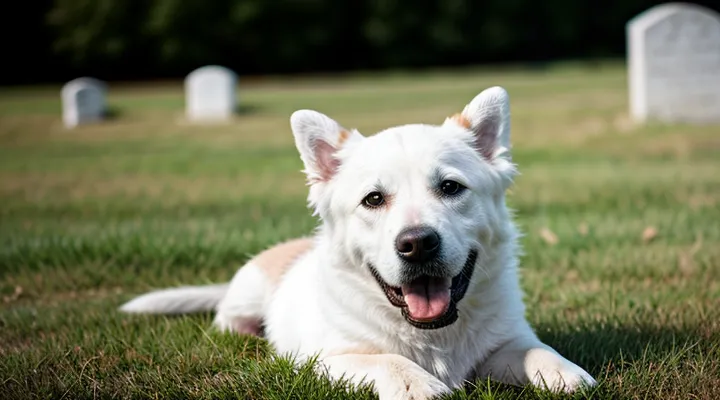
x=374, y=199
x=451, y=188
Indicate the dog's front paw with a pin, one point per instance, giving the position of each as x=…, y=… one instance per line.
x=411, y=383
x=560, y=375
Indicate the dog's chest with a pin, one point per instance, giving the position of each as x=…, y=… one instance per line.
x=449, y=357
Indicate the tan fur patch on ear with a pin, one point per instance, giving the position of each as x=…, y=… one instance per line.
x=461, y=120
x=277, y=260
x=344, y=135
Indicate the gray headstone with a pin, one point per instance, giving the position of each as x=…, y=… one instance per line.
x=674, y=64
x=210, y=94
x=83, y=101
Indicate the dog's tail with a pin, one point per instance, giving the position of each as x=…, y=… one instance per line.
x=180, y=300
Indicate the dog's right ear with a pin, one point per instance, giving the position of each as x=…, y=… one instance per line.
x=318, y=139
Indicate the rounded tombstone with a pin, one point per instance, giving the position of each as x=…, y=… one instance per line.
x=210, y=94
x=674, y=64
x=84, y=100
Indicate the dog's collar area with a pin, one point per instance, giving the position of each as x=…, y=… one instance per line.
x=458, y=288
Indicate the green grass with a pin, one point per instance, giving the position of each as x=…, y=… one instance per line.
x=91, y=217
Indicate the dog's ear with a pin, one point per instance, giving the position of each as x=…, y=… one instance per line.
x=318, y=138
x=487, y=116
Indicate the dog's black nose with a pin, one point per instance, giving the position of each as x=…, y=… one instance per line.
x=418, y=244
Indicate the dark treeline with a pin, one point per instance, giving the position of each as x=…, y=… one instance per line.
x=56, y=40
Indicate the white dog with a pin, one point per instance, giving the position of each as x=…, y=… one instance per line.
x=410, y=282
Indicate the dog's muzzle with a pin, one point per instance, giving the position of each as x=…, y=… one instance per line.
x=458, y=286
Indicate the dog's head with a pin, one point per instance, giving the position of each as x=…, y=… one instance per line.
x=413, y=204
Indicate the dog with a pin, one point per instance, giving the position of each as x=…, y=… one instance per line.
x=410, y=282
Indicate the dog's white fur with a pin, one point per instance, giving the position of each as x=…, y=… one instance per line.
x=328, y=304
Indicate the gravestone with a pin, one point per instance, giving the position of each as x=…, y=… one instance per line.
x=674, y=64
x=210, y=94
x=83, y=101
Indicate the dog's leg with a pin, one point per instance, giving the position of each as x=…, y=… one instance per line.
x=526, y=359
x=242, y=308
x=392, y=376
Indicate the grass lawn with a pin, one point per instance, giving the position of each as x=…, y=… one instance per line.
x=622, y=247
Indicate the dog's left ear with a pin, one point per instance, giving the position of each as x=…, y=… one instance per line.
x=318, y=139
x=487, y=116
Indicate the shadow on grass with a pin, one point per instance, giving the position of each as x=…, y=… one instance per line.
x=627, y=361
x=113, y=113
x=246, y=109
x=596, y=348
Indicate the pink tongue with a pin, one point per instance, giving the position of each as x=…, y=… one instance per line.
x=427, y=298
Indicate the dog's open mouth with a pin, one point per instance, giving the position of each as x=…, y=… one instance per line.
x=430, y=302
